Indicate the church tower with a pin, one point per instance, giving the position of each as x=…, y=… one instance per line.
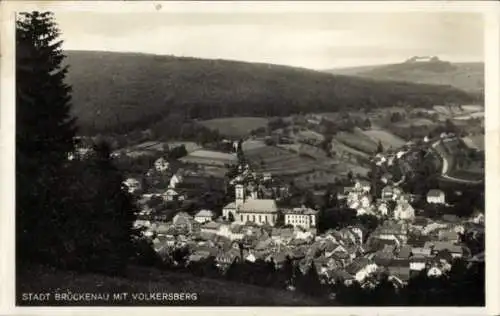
x=239, y=194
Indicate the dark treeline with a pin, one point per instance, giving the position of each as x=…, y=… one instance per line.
x=71, y=214
x=131, y=85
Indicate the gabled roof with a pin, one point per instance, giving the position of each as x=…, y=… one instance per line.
x=211, y=225
x=402, y=273
x=259, y=206
x=404, y=252
x=205, y=213
x=231, y=205
x=357, y=265
x=441, y=245
x=435, y=193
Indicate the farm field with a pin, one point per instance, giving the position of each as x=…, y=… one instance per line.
x=278, y=161
x=469, y=116
x=386, y=138
x=158, y=146
x=415, y=122
x=476, y=142
x=308, y=150
x=315, y=178
x=249, y=145
x=235, y=126
x=339, y=148
x=358, y=141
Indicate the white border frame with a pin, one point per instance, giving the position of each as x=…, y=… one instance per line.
x=491, y=12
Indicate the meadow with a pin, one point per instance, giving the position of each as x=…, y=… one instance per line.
x=235, y=127
x=387, y=139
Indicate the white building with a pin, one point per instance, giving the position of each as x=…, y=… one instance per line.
x=404, y=211
x=436, y=197
x=204, y=216
x=176, y=179
x=161, y=165
x=362, y=185
x=251, y=209
x=301, y=217
x=133, y=185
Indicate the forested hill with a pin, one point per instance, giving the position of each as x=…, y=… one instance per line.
x=123, y=91
x=465, y=76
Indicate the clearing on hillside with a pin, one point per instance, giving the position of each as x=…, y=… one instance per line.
x=357, y=140
x=386, y=138
x=235, y=126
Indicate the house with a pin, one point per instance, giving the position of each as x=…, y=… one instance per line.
x=436, y=246
x=225, y=259
x=400, y=274
x=386, y=178
x=266, y=176
x=282, y=235
x=161, y=165
x=341, y=275
x=391, y=192
x=176, y=179
x=419, y=222
x=301, y=217
x=432, y=227
x=435, y=196
x=418, y=262
x=383, y=258
x=382, y=208
x=361, y=268
x=212, y=227
x=449, y=235
x=421, y=252
x=392, y=231
x=204, y=216
x=434, y=271
x=404, y=252
x=170, y=195
x=183, y=220
x=365, y=200
x=477, y=218
x=404, y=211
x=362, y=185
x=133, y=185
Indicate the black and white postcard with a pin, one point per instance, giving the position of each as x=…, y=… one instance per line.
x=250, y=154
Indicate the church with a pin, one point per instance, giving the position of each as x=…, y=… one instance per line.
x=251, y=209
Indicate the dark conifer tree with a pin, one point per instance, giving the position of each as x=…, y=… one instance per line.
x=44, y=135
x=380, y=148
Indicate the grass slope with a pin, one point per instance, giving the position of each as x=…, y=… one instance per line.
x=210, y=292
x=124, y=91
x=386, y=138
x=465, y=76
x=235, y=126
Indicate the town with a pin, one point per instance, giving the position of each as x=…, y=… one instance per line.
x=256, y=162
x=225, y=208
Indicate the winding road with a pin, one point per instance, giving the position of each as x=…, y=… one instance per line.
x=445, y=169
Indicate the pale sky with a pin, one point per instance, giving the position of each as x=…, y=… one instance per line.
x=310, y=40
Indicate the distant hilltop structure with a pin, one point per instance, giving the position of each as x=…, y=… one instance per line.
x=422, y=59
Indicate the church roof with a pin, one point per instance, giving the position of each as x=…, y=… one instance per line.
x=259, y=206
x=231, y=205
